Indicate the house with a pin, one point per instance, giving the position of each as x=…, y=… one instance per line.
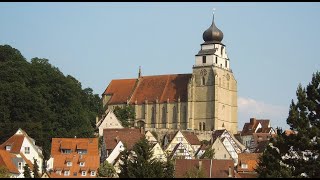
x=255, y=131
x=248, y=162
x=211, y=168
x=150, y=137
x=12, y=163
x=230, y=144
x=180, y=152
x=110, y=120
x=24, y=148
x=115, y=141
x=73, y=158
x=190, y=142
x=201, y=151
x=158, y=153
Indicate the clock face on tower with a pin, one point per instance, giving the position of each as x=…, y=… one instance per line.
x=203, y=72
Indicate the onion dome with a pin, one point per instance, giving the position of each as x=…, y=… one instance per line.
x=213, y=34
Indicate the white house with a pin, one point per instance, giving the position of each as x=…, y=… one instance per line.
x=23, y=147
x=110, y=121
x=150, y=137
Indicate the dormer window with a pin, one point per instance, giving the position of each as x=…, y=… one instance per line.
x=83, y=173
x=244, y=166
x=66, y=151
x=66, y=173
x=93, y=173
x=81, y=164
x=8, y=148
x=69, y=163
x=82, y=151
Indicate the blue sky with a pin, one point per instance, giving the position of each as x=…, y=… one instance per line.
x=272, y=46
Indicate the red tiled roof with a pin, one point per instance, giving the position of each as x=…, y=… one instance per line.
x=121, y=90
x=251, y=159
x=261, y=146
x=191, y=138
x=161, y=87
x=246, y=175
x=289, y=132
x=249, y=128
x=91, y=158
x=15, y=141
x=216, y=134
x=219, y=168
x=6, y=161
x=127, y=136
x=151, y=88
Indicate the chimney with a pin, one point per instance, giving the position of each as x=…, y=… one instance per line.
x=97, y=119
x=200, y=164
x=75, y=136
x=253, y=120
x=230, y=172
x=141, y=130
x=117, y=139
x=139, y=74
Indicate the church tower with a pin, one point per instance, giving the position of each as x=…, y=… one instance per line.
x=212, y=90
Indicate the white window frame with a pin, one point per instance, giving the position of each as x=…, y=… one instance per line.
x=244, y=166
x=83, y=173
x=69, y=163
x=179, y=139
x=26, y=150
x=82, y=164
x=93, y=173
x=20, y=167
x=8, y=148
x=66, y=173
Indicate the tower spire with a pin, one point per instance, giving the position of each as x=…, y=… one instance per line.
x=139, y=74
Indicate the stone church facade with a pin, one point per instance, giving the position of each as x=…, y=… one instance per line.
x=204, y=100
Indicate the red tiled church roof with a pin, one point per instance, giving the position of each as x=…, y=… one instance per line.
x=121, y=90
x=151, y=88
x=127, y=136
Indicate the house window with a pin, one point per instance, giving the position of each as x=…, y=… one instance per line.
x=244, y=166
x=66, y=173
x=93, y=173
x=216, y=60
x=27, y=150
x=179, y=139
x=58, y=172
x=81, y=163
x=8, y=148
x=20, y=165
x=225, y=156
x=204, y=59
x=83, y=173
x=226, y=63
x=69, y=163
x=222, y=51
x=181, y=150
x=74, y=173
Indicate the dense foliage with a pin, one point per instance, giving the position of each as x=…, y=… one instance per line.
x=26, y=171
x=106, y=170
x=36, y=97
x=297, y=154
x=125, y=114
x=138, y=163
x=4, y=172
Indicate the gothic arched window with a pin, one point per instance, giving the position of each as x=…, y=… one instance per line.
x=185, y=113
x=174, y=115
x=164, y=114
x=153, y=119
x=200, y=126
x=204, y=126
x=203, y=81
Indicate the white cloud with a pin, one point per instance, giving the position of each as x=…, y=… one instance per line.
x=249, y=108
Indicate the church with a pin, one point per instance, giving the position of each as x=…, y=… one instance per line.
x=204, y=100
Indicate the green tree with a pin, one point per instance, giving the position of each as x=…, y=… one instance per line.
x=26, y=172
x=138, y=163
x=4, y=172
x=106, y=170
x=38, y=98
x=208, y=154
x=195, y=172
x=125, y=114
x=297, y=154
x=35, y=169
